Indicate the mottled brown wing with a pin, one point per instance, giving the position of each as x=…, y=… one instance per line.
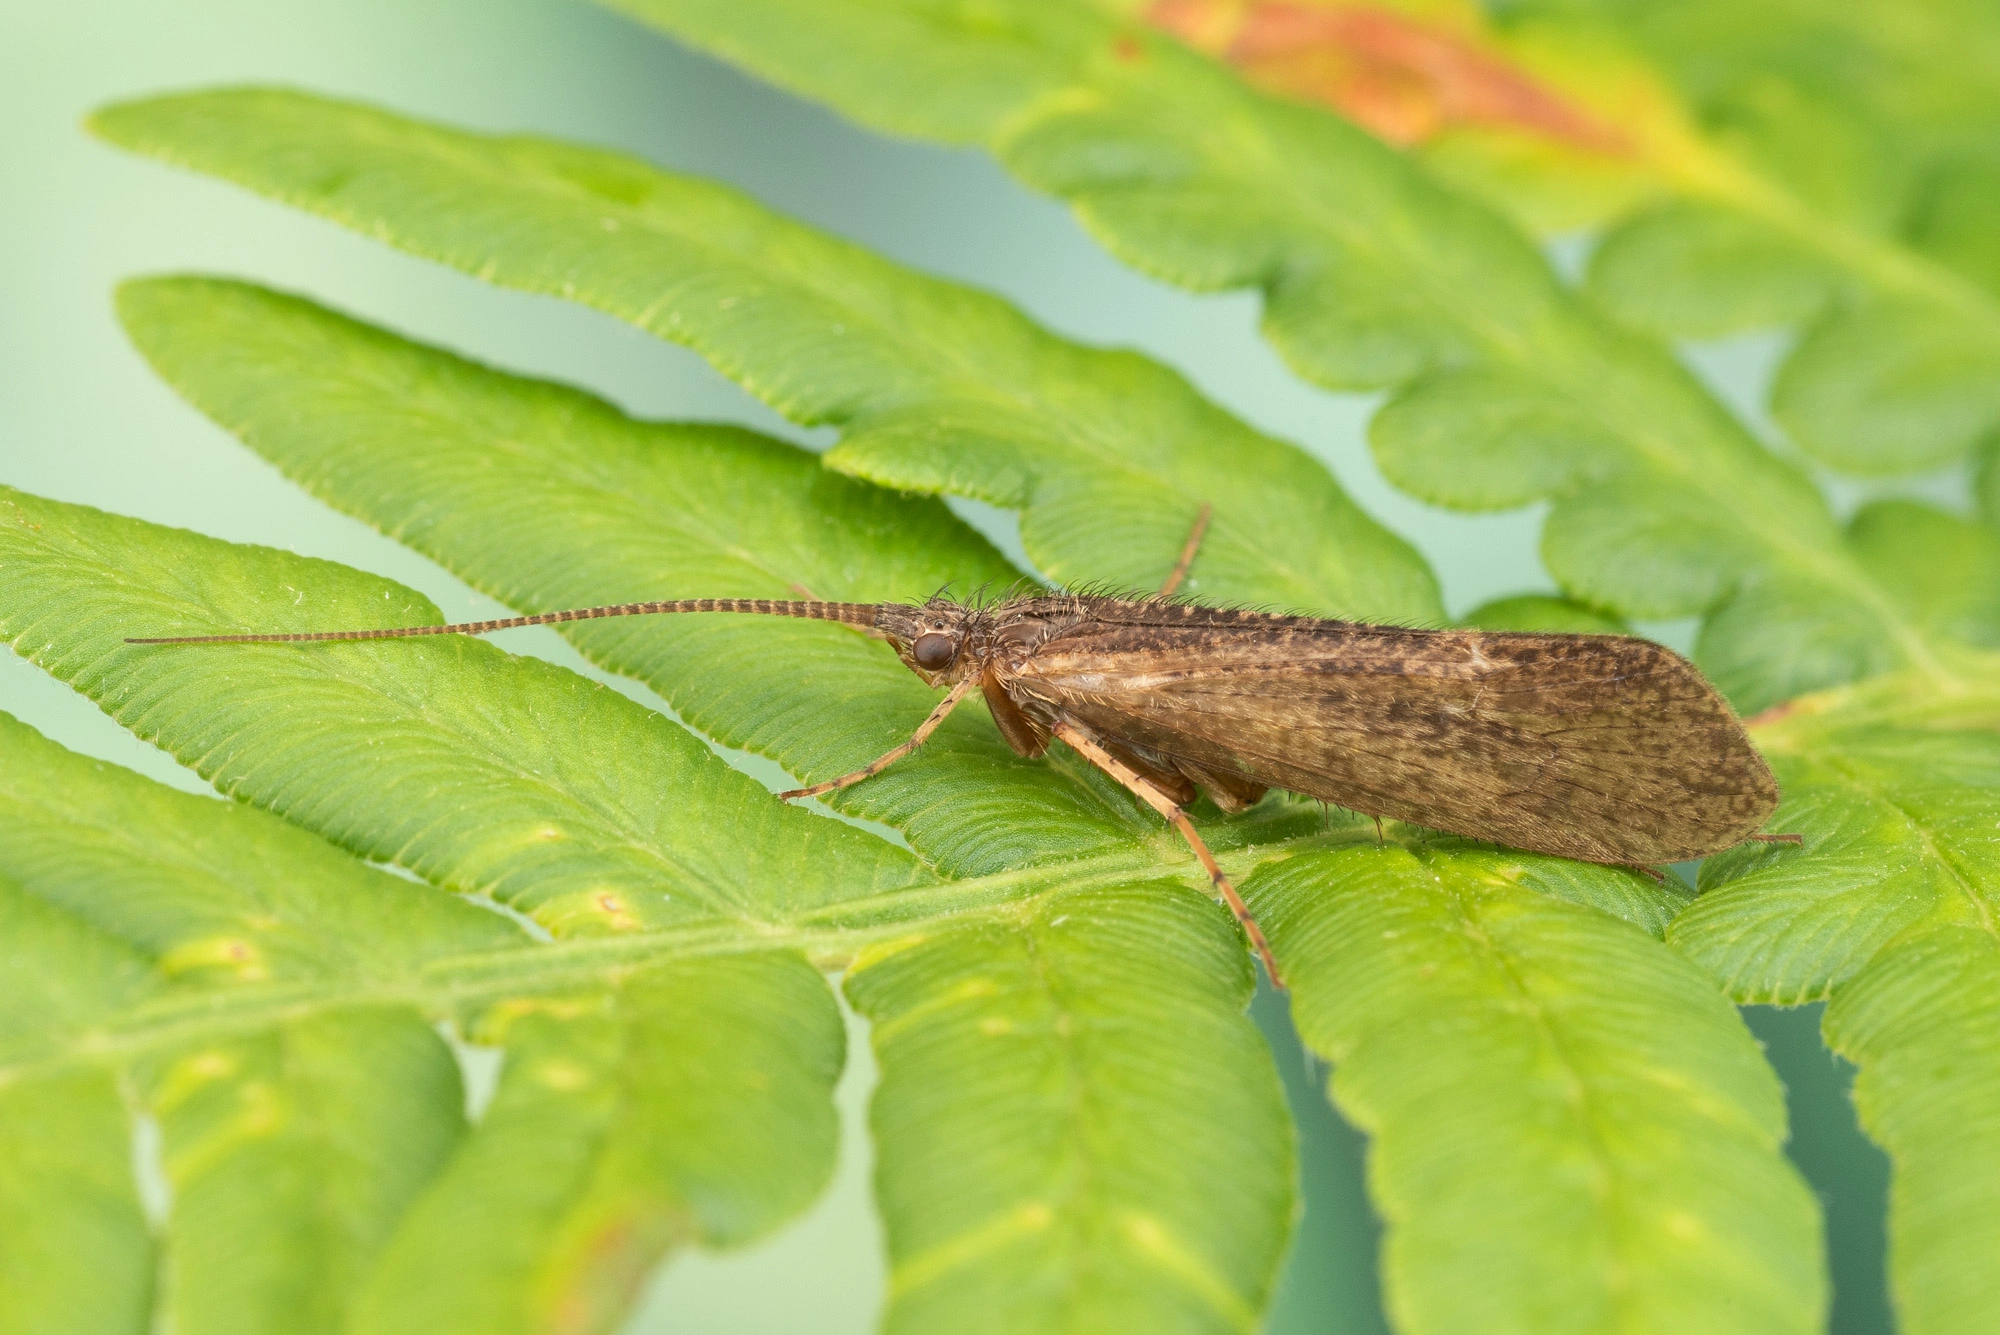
x=1596, y=747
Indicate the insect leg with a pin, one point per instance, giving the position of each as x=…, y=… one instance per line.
x=870, y=770
x=1779, y=838
x=1169, y=782
x=1188, y=549
x=1088, y=748
x=1232, y=792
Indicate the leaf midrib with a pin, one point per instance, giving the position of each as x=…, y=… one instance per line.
x=1956, y=877
x=1886, y=264
x=473, y=978
x=938, y=1261
x=1698, y=166
x=1617, y=1290
x=1910, y=36
x=1968, y=700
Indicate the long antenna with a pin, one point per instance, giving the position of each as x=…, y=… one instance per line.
x=852, y=614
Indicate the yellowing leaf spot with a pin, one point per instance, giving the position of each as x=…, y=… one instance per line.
x=870, y=956
x=260, y=1112
x=609, y=1264
x=230, y=954
x=1401, y=79
x=616, y=914
x=500, y=1019
x=974, y=987
x=1684, y=1226
x=1146, y=1231
x=210, y=1065
x=997, y=1233
x=1186, y=1266
x=190, y=1076
x=995, y=1025
x=564, y=1076
x=587, y=911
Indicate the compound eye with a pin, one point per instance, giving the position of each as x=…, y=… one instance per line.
x=933, y=651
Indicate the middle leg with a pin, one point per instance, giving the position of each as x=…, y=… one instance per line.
x=1188, y=549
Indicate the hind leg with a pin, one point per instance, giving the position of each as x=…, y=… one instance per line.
x=1087, y=746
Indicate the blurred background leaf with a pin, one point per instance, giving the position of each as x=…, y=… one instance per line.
x=1749, y=166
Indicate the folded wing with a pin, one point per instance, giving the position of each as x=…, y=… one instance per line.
x=1603, y=748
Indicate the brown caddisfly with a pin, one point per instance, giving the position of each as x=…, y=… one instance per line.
x=1602, y=748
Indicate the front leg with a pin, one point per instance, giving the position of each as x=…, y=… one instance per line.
x=917, y=738
x=1027, y=737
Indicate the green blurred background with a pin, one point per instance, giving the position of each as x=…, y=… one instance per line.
x=82, y=419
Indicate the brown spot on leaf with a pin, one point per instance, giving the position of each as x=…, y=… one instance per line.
x=1772, y=715
x=597, y=1269
x=617, y=913
x=1397, y=77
